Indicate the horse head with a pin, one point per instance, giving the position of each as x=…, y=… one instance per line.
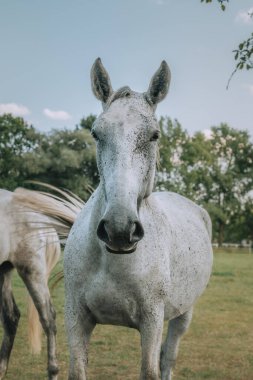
x=126, y=135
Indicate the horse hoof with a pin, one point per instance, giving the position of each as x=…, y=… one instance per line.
x=53, y=371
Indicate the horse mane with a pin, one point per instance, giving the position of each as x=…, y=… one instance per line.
x=122, y=92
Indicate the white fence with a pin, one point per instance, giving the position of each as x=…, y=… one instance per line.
x=247, y=246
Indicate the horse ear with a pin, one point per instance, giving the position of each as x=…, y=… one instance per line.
x=100, y=81
x=159, y=84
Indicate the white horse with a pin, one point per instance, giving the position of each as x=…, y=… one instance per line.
x=29, y=243
x=133, y=258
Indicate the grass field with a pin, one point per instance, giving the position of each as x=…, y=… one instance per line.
x=218, y=345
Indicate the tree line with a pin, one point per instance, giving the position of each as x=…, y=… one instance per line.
x=214, y=170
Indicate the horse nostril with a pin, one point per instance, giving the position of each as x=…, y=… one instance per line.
x=137, y=232
x=119, y=236
x=102, y=233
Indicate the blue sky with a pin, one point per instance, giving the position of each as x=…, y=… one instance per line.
x=48, y=48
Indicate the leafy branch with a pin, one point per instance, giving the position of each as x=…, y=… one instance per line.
x=244, y=53
x=221, y=2
x=243, y=56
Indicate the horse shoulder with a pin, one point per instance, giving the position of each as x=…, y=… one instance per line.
x=171, y=203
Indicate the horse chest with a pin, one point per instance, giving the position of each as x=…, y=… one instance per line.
x=118, y=294
x=112, y=302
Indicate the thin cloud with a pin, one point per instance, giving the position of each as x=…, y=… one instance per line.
x=245, y=16
x=249, y=87
x=159, y=2
x=14, y=109
x=56, y=115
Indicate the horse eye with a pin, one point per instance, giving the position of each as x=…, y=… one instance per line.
x=94, y=135
x=155, y=136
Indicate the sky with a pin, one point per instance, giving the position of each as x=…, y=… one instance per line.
x=48, y=47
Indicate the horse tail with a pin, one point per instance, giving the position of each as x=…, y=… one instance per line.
x=61, y=207
x=52, y=252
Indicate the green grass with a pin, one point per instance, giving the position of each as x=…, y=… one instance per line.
x=218, y=345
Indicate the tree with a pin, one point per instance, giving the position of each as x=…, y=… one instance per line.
x=87, y=122
x=215, y=172
x=231, y=175
x=184, y=161
x=62, y=158
x=171, y=146
x=66, y=159
x=241, y=228
x=17, y=141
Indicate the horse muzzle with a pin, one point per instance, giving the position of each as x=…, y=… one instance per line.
x=120, y=238
x=121, y=251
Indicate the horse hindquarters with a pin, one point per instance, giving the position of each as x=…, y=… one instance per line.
x=9, y=316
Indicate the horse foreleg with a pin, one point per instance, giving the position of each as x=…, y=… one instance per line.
x=79, y=326
x=37, y=286
x=9, y=316
x=151, y=329
x=177, y=328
